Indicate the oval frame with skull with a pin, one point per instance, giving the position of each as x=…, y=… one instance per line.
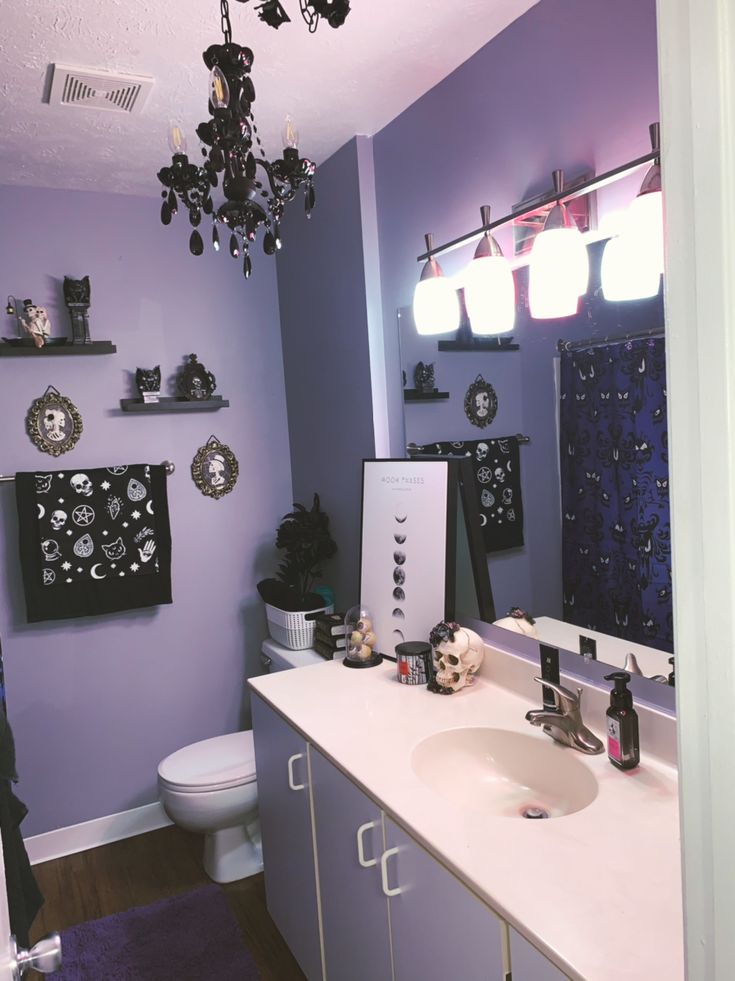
x=480, y=402
x=215, y=469
x=54, y=423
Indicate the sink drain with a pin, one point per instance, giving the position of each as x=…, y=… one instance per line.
x=534, y=813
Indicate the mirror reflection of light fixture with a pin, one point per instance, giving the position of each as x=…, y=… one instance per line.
x=489, y=289
x=559, y=266
x=435, y=301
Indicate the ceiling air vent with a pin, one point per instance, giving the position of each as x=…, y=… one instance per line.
x=97, y=89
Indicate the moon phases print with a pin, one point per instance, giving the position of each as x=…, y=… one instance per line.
x=399, y=539
x=399, y=594
x=400, y=518
x=399, y=557
x=399, y=614
x=399, y=575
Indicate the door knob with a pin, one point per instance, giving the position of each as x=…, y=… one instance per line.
x=44, y=957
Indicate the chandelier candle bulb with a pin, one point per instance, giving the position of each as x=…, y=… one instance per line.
x=176, y=139
x=219, y=90
x=290, y=133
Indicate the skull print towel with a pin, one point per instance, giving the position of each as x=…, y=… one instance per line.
x=93, y=542
x=497, y=467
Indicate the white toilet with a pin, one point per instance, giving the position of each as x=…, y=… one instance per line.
x=210, y=787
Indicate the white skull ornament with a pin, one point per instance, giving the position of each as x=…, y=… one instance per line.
x=459, y=659
x=82, y=484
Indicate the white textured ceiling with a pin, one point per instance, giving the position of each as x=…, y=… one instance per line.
x=335, y=82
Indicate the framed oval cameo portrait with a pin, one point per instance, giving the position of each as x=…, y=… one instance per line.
x=214, y=469
x=54, y=423
x=480, y=402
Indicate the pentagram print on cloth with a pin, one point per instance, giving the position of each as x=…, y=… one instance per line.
x=96, y=524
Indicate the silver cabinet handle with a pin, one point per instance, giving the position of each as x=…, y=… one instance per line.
x=292, y=784
x=384, y=872
x=44, y=957
x=369, y=862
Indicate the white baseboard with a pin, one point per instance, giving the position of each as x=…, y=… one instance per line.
x=91, y=834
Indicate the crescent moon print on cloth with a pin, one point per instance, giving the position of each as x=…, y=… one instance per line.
x=84, y=546
x=136, y=491
x=101, y=519
x=115, y=550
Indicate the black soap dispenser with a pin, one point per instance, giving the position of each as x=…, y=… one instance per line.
x=623, y=748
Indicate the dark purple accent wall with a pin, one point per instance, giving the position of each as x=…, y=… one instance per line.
x=96, y=703
x=571, y=84
x=324, y=324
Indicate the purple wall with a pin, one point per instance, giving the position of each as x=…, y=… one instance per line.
x=572, y=84
x=95, y=704
x=322, y=294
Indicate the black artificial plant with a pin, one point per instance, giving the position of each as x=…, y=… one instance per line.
x=305, y=538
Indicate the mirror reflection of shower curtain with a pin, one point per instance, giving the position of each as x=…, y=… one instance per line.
x=616, y=535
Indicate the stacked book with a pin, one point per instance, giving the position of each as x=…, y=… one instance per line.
x=329, y=635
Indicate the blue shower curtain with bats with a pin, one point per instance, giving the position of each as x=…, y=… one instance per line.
x=616, y=534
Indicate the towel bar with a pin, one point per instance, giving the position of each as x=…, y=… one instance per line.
x=167, y=465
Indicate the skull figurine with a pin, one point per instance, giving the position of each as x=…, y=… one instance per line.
x=82, y=484
x=481, y=452
x=58, y=520
x=460, y=656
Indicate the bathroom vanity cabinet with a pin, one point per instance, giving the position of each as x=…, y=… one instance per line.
x=354, y=895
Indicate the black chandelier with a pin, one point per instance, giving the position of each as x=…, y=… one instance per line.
x=333, y=11
x=256, y=190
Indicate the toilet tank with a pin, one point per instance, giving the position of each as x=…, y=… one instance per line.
x=278, y=658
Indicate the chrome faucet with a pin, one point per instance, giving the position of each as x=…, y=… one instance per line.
x=565, y=725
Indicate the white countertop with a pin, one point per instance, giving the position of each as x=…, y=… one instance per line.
x=598, y=891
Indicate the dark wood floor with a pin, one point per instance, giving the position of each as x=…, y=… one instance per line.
x=141, y=870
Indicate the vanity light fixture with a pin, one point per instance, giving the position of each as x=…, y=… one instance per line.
x=256, y=190
x=435, y=301
x=633, y=262
x=548, y=270
x=559, y=269
x=489, y=289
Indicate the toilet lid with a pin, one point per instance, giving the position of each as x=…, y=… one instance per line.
x=213, y=764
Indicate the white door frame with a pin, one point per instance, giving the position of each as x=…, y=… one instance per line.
x=697, y=84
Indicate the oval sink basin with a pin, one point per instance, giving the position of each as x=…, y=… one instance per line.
x=504, y=773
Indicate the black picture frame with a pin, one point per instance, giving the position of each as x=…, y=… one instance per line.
x=480, y=403
x=54, y=423
x=215, y=469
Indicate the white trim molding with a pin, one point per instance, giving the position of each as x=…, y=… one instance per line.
x=92, y=834
x=697, y=86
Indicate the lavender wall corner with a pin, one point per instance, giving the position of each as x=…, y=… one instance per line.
x=571, y=84
x=324, y=322
x=96, y=703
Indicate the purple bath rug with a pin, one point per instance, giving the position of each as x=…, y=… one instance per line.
x=192, y=937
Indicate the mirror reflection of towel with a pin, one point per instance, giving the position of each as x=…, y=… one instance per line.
x=111, y=546
x=497, y=467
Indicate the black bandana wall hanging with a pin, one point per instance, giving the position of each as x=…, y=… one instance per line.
x=497, y=467
x=94, y=541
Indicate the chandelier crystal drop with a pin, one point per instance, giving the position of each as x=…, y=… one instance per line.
x=256, y=190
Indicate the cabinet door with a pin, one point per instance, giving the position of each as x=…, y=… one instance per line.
x=439, y=929
x=282, y=769
x=349, y=837
x=527, y=964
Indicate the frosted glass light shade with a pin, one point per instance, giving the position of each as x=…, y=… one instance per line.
x=490, y=295
x=435, y=306
x=645, y=222
x=628, y=271
x=558, y=273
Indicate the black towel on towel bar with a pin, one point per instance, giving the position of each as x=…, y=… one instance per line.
x=497, y=467
x=94, y=542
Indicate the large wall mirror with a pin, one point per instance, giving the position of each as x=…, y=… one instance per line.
x=572, y=468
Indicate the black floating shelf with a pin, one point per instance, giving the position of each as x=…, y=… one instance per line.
x=484, y=345
x=174, y=404
x=14, y=350
x=414, y=395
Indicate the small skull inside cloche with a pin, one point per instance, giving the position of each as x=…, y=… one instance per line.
x=458, y=652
